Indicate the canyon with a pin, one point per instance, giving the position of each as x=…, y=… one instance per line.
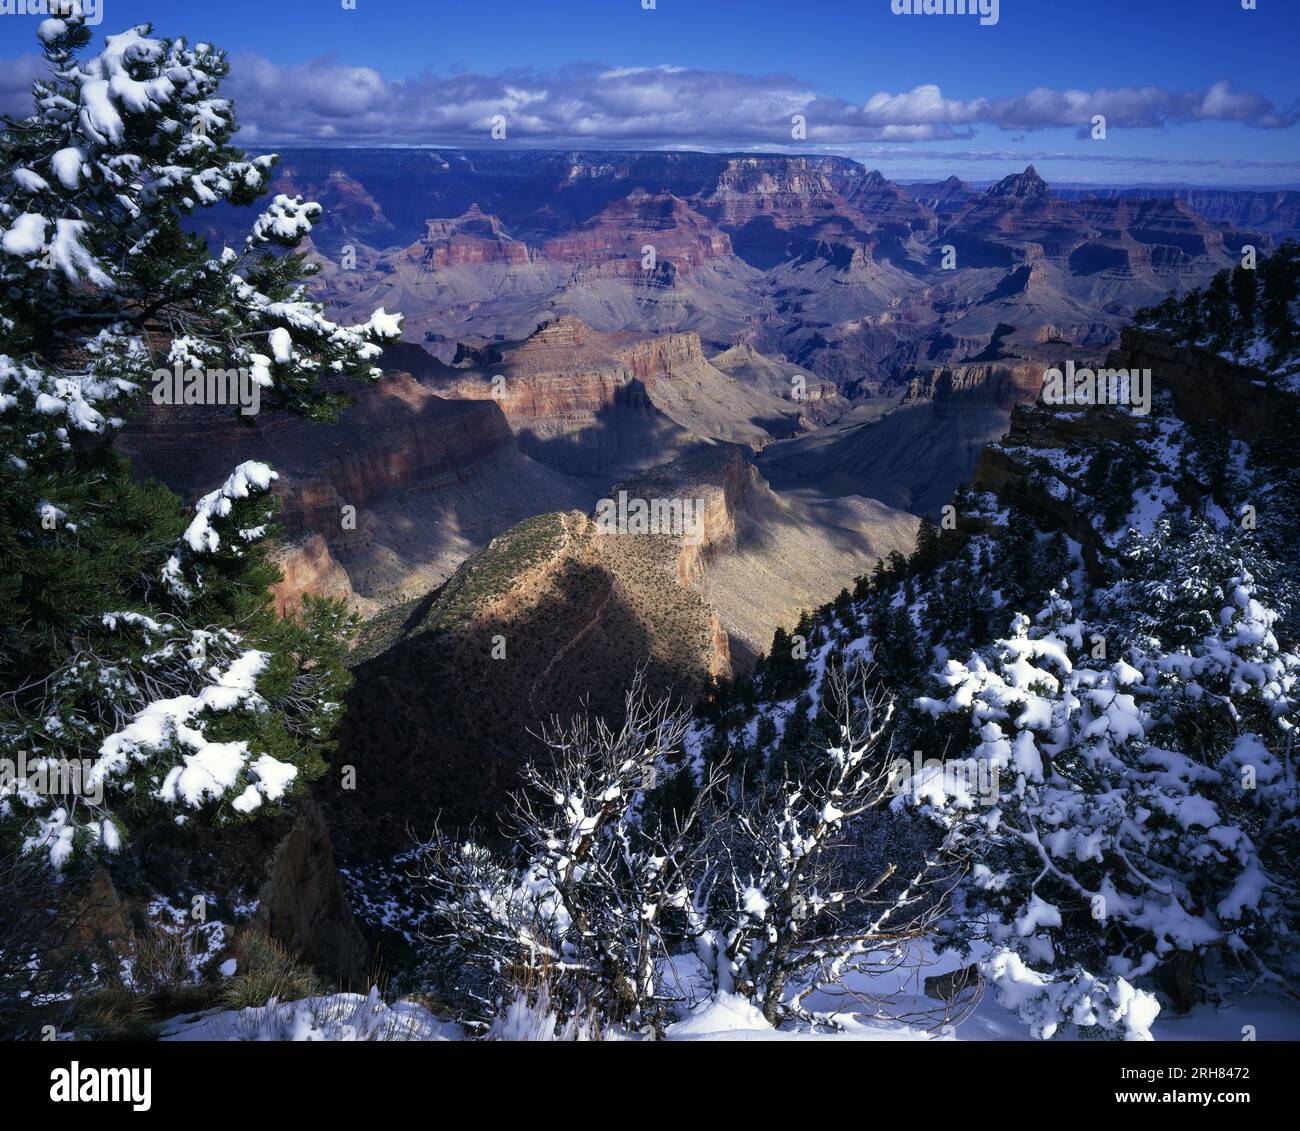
x=815, y=355
x=557, y=614
x=815, y=260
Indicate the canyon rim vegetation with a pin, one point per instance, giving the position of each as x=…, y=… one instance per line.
x=550, y=578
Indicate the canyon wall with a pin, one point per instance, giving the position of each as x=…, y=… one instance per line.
x=397, y=494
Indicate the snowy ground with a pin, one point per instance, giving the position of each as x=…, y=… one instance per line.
x=733, y=1019
x=1272, y=1018
x=333, y=1017
x=354, y=1017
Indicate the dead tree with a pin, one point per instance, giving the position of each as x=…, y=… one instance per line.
x=600, y=897
x=791, y=921
x=589, y=908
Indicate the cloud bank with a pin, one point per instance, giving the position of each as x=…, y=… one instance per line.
x=330, y=102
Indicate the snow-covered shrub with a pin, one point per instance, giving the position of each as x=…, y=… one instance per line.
x=595, y=893
x=1147, y=810
x=782, y=916
x=605, y=898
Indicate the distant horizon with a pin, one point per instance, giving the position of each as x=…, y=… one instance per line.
x=1192, y=92
x=972, y=182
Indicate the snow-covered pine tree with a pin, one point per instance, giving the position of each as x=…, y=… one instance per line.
x=136, y=641
x=1145, y=801
x=1143, y=725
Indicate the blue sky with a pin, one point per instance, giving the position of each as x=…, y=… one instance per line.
x=1194, y=90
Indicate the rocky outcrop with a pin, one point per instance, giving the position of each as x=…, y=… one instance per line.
x=302, y=903
x=551, y=618
x=662, y=357
x=96, y=914
x=1001, y=383
x=763, y=557
x=622, y=231
x=1203, y=384
x=309, y=570
x=722, y=501
x=720, y=667
x=558, y=614
x=471, y=239
x=587, y=402
x=571, y=401
x=1026, y=186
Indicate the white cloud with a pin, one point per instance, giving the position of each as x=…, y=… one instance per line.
x=327, y=100
x=666, y=106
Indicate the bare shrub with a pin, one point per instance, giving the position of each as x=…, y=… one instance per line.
x=603, y=891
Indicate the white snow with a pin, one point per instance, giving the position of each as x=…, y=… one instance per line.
x=248, y=477
x=281, y=345
x=25, y=236
x=67, y=163
x=330, y=1017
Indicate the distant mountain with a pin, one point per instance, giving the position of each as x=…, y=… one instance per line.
x=816, y=259
x=866, y=338
x=942, y=197
x=1273, y=211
